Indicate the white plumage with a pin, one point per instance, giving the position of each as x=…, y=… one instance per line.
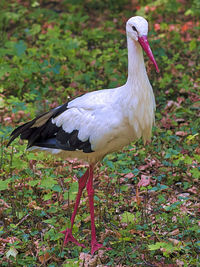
x=100, y=122
x=112, y=118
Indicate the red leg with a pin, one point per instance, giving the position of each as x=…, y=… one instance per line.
x=68, y=232
x=94, y=244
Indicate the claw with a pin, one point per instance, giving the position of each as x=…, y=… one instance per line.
x=95, y=246
x=69, y=237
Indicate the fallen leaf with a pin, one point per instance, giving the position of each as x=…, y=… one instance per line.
x=171, y=105
x=145, y=180
x=181, y=133
x=129, y=175
x=174, y=241
x=4, y=204
x=109, y=233
x=186, y=26
x=174, y=219
x=143, y=167
x=166, y=122
x=33, y=205
x=11, y=252
x=179, y=263
x=156, y=27
x=192, y=190
x=137, y=232
x=44, y=258
x=174, y=232
x=137, y=197
x=88, y=260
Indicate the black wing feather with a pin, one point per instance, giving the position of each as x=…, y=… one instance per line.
x=42, y=132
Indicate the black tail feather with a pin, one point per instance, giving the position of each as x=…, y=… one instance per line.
x=18, y=131
x=41, y=132
x=33, y=129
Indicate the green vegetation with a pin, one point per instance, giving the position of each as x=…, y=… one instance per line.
x=54, y=50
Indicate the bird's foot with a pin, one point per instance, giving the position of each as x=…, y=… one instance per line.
x=95, y=246
x=69, y=237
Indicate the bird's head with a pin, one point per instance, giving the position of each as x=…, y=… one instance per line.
x=137, y=30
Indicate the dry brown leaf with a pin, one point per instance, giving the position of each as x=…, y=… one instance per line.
x=166, y=122
x=137, y=197
x=88, y=260
x=87, y=219
x=181, y=133
x=4, y=204
x=129, y=175
x=171, y=105
x=174, y=232
x=145, y=180
x=174, y=241
x=44, y=258
x=33, y=205
x=70, y=205
x=179, y=263
x=109, y=233
x=143, y=167
x=192, y=190
x=137, y=232
x=102, y=255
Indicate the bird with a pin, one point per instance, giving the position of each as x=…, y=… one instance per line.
x=100, y=122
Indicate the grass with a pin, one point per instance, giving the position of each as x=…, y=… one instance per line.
x=146, y=197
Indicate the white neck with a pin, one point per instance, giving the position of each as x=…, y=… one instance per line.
x=137, y=96
x=136, y=67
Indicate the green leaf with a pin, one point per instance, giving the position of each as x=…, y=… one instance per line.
x=4, y=68
x=36, y=28
x=127, y=217
x=73, y=190
x=195, y=173
x=51, y=221
x=71, y=263
x=192, y=45
x=4, y=184
x=48, y=183
x=155, y=246
x=124, y=188
x=158, y=245
x=47, y=196
x=35, y=4
x=57, y=188
x=20, y=48
x=34, y=182
x=110, y=164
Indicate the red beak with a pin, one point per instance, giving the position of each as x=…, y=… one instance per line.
x=145, y=45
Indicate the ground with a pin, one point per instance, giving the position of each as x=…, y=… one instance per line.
x=146, y=197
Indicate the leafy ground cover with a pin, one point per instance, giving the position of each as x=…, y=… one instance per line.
x=147, y=197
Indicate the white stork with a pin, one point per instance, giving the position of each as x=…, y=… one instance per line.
x=100, y=122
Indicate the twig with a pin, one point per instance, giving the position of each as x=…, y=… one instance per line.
x=62, y=185
x=23, y=219
x=149, y=264
x=1, y=161
x=11, y=160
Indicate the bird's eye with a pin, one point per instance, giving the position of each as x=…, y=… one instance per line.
x=133, y=27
